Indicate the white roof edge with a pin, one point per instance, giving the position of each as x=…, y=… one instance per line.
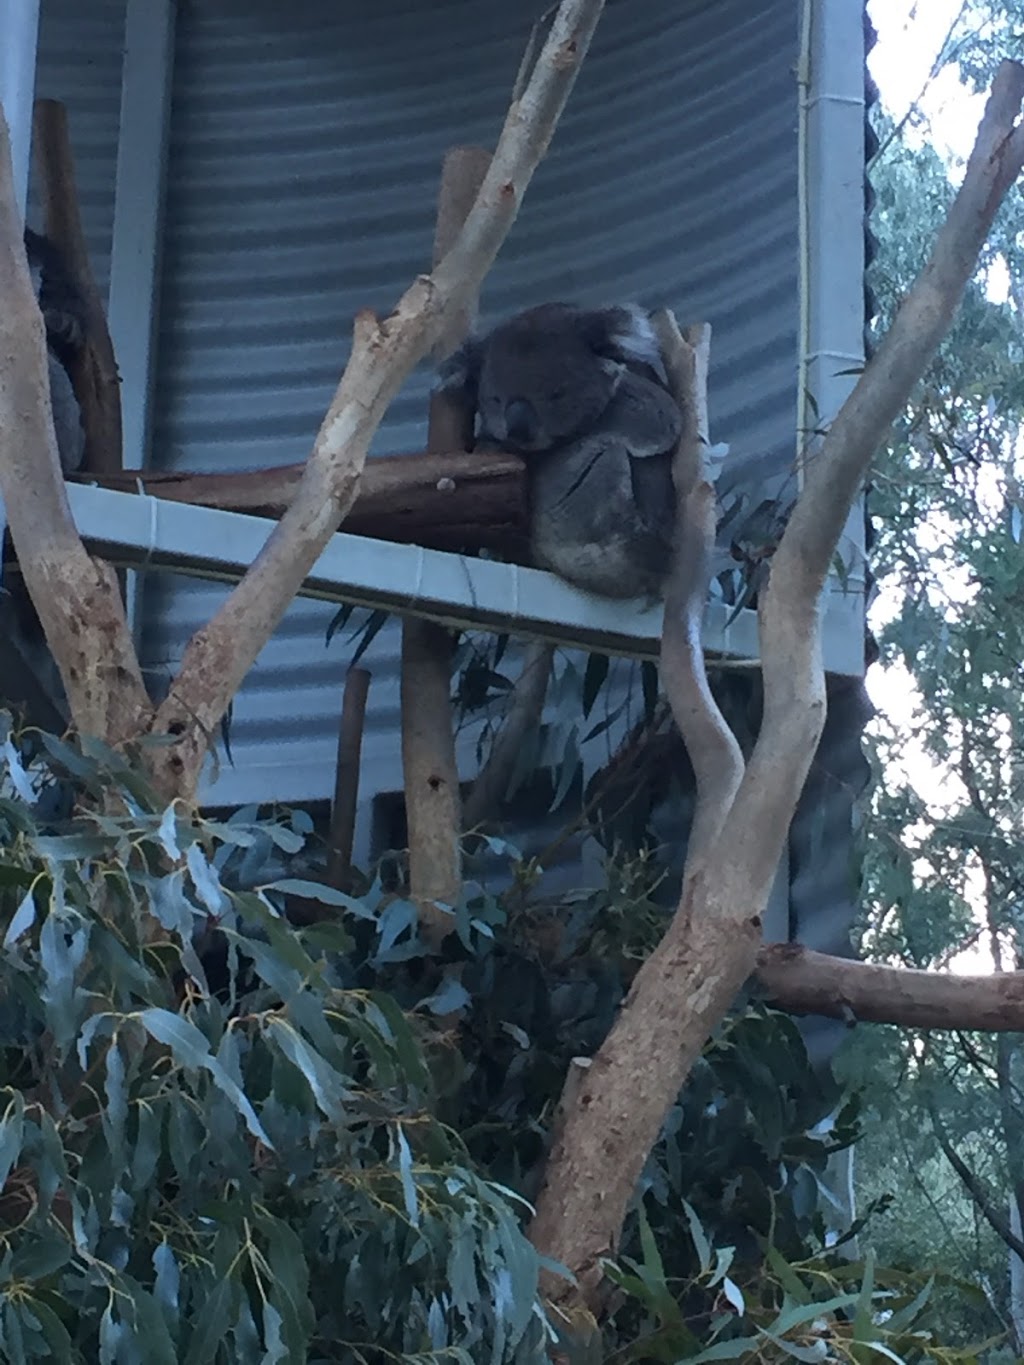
x=140, y=531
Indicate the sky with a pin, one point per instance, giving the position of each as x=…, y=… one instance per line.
x=910, y=36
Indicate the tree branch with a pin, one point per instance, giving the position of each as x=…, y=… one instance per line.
x=801, y=981
x=688, y=983
x=710, y=744
x=880, y=393
x=77, y=598
x=219, y=655
x=996, y=1220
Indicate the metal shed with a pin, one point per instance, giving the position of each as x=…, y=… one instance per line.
x=252, y=173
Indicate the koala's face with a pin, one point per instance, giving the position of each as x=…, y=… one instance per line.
x=541, y=382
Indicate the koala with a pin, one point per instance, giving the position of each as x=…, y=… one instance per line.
x=583, y=396
x=64, y=317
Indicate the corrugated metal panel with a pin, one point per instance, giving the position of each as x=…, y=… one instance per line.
x=80, y=47
x=305, y=147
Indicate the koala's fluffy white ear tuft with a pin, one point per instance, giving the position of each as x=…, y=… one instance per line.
x=461, y=371
x=632, y=338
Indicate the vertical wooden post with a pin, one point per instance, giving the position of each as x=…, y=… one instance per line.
x=431, y=774
x=346, y=778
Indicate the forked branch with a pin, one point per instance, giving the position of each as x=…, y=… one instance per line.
x=688, y=983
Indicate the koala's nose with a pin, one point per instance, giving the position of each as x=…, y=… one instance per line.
x=521, y=422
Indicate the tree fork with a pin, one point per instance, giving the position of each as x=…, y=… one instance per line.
x=688, y=983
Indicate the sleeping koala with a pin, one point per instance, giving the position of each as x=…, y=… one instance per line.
x=64, y=317
x=582, y=394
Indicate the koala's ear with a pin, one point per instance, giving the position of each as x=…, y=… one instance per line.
x=626, y=333
x=461, y=371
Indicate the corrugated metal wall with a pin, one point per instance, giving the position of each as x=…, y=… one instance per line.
x=79, y=63
x=305, y=146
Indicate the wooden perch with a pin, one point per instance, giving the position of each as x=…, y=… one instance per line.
x=94, y=376
x=346, y=778
x=445, y=501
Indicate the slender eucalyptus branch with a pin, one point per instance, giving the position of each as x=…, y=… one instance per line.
x=789, y=610
x=974, y=1186
x=881, y=392
x=687, y=984
x=77, y=597
x=711, y=745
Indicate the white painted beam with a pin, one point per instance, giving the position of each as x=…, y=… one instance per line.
x=145, y=532
x=832, y=224
x=133, y=299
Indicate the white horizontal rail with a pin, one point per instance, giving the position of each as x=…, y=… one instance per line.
x=143, y=532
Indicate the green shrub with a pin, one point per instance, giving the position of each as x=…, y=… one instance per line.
x=227, y=1138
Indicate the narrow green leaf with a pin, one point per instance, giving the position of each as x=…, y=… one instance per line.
x=593, y=680
x=700, y=1242
x=191, y=1050
x=412, y=1208
x=325, y=1083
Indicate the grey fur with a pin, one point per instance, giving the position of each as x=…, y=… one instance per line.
x=64, y=318
x=581, y=393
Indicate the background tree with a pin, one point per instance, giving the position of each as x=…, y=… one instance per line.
x=944, y=865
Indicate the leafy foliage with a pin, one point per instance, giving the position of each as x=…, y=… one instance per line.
x=944, y=870
x=227, y=1138
x=231, y=1168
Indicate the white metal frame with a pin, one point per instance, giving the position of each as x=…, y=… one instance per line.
x=831, y=175
x=133, y=298
x=132, y=307
x=140, y=531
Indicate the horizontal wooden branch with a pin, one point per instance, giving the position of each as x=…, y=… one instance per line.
x=452, y=501
x=800, y=981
